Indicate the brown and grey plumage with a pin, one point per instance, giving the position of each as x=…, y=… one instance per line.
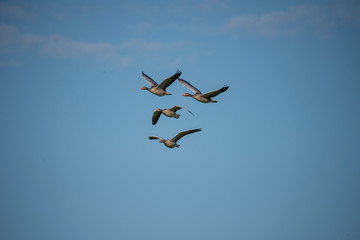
x=171, y=143
x=169, y=112
x=204, y=98
x=160, y=89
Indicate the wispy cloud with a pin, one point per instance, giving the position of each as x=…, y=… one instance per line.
x=296, y=20
x=210, y=5
x=9, y=63
x=272, y=23
x=57, y=46
x=13, y=11
x=141, y=45
x=54, y=45
x=12, y=41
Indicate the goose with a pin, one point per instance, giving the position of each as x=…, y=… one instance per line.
x=160, y=89
x=171, y=143
x=169, y=112
x=204, y=98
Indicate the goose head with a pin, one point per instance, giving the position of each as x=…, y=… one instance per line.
x=144, y=88
x=187, y=95
x=161, y=140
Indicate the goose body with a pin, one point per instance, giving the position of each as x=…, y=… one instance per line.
x=171, y=143
x=169, y=112
x=160, y=89
x=204, y=98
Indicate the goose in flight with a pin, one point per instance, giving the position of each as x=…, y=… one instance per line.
x=171, y=143
x=169, y=112
x=204, y=98
x=160, y=89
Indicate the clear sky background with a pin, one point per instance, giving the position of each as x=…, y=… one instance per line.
x=279, y=154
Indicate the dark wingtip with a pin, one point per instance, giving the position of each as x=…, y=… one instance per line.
x=224, y=88
x=178, y=72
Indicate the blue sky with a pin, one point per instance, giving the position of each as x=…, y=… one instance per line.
x=278, y=157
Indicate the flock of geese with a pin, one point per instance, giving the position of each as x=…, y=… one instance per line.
x=160, y=90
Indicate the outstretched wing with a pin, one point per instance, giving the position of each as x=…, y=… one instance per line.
x=155, y=117
x=215, y=93
x=149, y=80
x=155, y=137
x=183, y=133
x=189, y=86
x=177, y=107
x=164, y=84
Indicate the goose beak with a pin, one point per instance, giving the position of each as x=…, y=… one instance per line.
x=160, y=140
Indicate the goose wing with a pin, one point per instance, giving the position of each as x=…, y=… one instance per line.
x=164, y=84
x=155, y=117
x=177, y=107
x=155, y=137
x=149, y=80
x=183, y=133
x=215, y=93
x=189, y=86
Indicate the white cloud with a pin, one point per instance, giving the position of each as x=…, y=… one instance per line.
x=141, y=45
x=296, y=20
x=13, y=11
x=346, y=13
x=210, y=5
x=8, y=63
x=287, y=22
x=13, y=41
x=59, y=46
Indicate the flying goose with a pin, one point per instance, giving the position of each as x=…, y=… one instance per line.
x=171, y=143
x=160, y=89
x=169, y=112
x=204, y=98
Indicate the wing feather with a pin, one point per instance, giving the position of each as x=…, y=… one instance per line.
x=189, y=86
x=183, y=133
x=155, y=137
x=167, y=82
x=215, y=93
x=177, y=107
x=149, y=80
x=155, y=117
